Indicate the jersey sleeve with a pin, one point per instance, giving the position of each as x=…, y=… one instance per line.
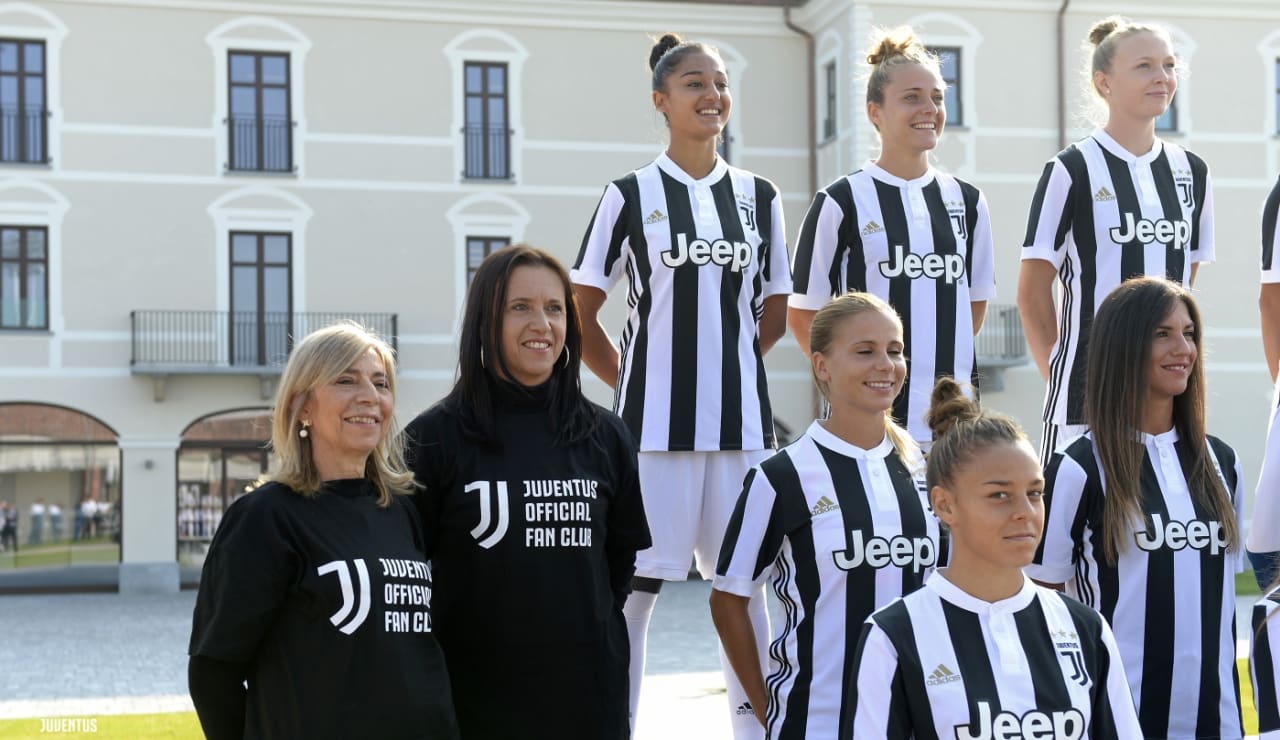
x=602, y=257
x=245, y=581
x=1049, y=222
x=1271, y=236
x=982, y=276
x=1264, y=664
x=814, y=270
x=628, y=529
x=1065, y=483
x=1264, y=535
x=777, y=279
x=752, y=538
x=1114, y=715
x=878, y=701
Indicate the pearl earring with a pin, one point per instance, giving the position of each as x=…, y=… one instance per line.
x=303, y=431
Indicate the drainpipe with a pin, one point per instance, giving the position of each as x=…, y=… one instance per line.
x=810, y=61
x=1062, y=76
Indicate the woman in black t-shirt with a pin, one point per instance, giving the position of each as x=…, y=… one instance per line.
x=531, y=495
x=315, y=591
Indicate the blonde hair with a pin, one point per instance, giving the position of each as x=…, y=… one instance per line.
x=1100, y=46
x=822, y=333
x=891, y=48
x=317, y=360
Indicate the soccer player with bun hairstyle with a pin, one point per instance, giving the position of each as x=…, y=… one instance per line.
x=1143, y=518
x=702, y=246
x=838, y=521
x=918, y=238
x=981, y=651
x=1118, y=204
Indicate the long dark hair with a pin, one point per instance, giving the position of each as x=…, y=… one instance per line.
x=482, y=367
x=1116, y=381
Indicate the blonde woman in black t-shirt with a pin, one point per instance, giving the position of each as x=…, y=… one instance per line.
x=313, y=616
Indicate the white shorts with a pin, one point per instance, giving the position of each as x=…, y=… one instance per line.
x=688, y=498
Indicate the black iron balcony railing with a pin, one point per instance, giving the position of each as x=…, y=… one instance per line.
x=23, y=134
x=488, y=150
x=260, y=143
x=248, y=342
x=1001, y=344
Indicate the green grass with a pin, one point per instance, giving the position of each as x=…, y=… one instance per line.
x=113, y=727
x=1246, y=584
x=100, y=550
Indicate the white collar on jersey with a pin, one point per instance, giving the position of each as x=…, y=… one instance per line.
x=1164, y=439
x=832, y=442
x=1113, y=146
x=949, y=591
x=668, y=165
x=885, y=176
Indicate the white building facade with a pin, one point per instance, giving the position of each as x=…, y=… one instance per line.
x=184, y=186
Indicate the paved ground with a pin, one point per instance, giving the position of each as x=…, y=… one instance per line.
x=93, y=654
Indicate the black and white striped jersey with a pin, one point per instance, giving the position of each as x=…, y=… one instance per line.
x=1170, y=598
x=700, y=257
x=1264, y=663
x=1101, y=216
x=942, y=664
x=840, y=531
x=1271, y=236
x=922, y=245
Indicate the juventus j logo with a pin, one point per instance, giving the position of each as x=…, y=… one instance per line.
x=748, y=215
x=1184, y=193
x=486, y=513
x=1079, y=674
x=349, y=596
x=959, y=226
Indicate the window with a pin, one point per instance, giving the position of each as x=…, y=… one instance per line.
x=259, y=124
x=1168, y=121
x=829, y=112
x=949, y=61
x=479, y=247
x=23, y=114
x=261, y=298
x=24, y=277
x=485, y=129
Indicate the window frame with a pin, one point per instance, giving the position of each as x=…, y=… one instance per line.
x=1172, y=113
x=23, y=272
x=259, y=122
x=955, y=112
x=489, y=244
x=260, y=263
x=830, y=129
x=486, y=171
x=42, y=113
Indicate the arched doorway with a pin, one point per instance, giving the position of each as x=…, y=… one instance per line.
x=222, y=457
x=59, y=490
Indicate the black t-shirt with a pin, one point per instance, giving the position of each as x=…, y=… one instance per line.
x=327, y=598
x=534, y=549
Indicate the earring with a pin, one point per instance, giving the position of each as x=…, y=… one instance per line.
x=482, y=355
x=303, y=431
x=566, y=358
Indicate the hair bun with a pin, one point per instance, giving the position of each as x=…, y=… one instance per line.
x=1103, y=28
x=668, y=42
x=949, y=405
x=889, y=43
